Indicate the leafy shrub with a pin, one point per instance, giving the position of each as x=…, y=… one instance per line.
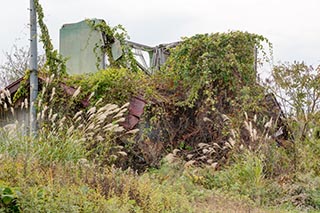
x=209, y=64
x=69, y=198
x=85, y=187
x=303, y=192
x=297, y=87
x=8, y=200
x=309, y=156
x=245, y=177
x=112, y=85
x=144, y=192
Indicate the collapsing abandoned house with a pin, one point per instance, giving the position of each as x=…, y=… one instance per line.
x=12, y=112
x=77, y=43
x=18, y=111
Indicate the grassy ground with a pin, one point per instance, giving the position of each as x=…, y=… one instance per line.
x=68, y=171
x=74, y=184
x=220, y=204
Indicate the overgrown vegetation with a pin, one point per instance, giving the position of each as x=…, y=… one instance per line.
x=112, y=35
x=204, y=91
x=69, y=168
x=55, y=63
x=209, y=130
x=112, y=85
x=214, y=63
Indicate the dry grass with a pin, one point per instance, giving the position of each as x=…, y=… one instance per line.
x=222, y=204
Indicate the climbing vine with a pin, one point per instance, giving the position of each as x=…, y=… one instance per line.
x=112, y=34
x=23, y=89
x=54, y=61
x=208, y=84
x=208, y=64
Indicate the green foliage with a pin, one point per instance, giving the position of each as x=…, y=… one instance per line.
x=200, y=96
x=267, y=177
x=112, y=34
x=84, y=187
x=206, y=86
x=92, y=133
x=49, y=148
x=250, y=99
x=303, y=193
x=54, y=61
x=309, y=156
x=70, y=198
x=22, y=90
x=111, y=85
x=146, y=193
x=8, y=200
x=210, y=63
x=297, y=86
x=68, y=167
x=245, y=177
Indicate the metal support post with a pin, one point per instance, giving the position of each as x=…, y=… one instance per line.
x=33, y=69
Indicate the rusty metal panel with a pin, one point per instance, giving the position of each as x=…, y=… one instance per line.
x=136, y=106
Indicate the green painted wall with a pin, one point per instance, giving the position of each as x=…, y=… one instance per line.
x=77, y=43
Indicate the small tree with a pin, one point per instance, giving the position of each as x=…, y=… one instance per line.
x=298, y=87
x=16, y=64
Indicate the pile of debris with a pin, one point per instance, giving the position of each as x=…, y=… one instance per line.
x=211, y=104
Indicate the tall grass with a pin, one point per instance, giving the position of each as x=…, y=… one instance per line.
x=270, y=174
x=69, y=166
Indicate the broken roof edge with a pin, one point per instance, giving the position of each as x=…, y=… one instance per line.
x=13, y=87
x=69, y=90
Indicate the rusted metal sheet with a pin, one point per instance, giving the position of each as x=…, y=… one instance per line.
x=136, y=109
x=130, y=122
x=136, y=106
